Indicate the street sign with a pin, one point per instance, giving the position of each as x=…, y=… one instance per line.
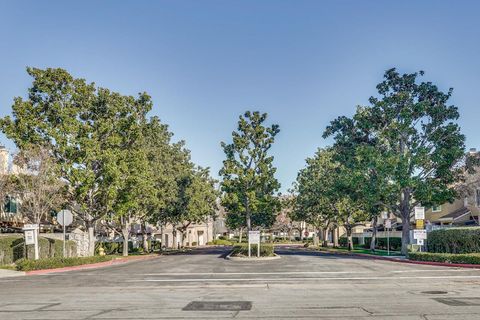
x=420, y=224
x=29, y=237
x=388, y=224
x=254, y=237
x=419, y=213
x=420, y=242
x=65, y=217
x=420, y=234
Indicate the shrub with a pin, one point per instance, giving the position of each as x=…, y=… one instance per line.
x=395, y=243
x=343, y=241
x=469, y=258
x=221, y=242
x=266, y=250
x=454, y=240
x=12, y=248
x=57, y=262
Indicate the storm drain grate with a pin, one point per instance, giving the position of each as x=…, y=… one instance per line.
x=459, y=302
x=434, y=292
x=218, y=306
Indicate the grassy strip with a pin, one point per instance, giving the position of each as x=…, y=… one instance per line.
x=463, y=258
x=241, y=250
x=221, y=242
x=377, y=252
x=58, y=262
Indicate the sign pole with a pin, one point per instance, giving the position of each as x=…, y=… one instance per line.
x=64, y=250
x=388, y=241
x=258, y=249
x=35, y=232
x=249, y=250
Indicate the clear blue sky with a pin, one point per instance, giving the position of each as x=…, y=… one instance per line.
x=206, y=62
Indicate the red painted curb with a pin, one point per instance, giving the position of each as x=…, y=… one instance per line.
x=430, y=263
x=88, y=266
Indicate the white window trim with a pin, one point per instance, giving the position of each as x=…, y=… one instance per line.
x=438, y=210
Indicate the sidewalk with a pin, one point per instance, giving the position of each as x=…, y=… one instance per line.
x=4, y=273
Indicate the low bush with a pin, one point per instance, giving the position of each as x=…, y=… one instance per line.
x=469, y=258
x=117, y=247
x=266, y=250
x=58, y=262
x=221, y=242
x=395, y=243
x=454, y=240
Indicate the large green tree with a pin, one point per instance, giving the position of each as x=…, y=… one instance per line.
x=418, y=146
x=249, y=184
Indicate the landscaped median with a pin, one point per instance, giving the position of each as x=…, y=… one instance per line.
x=59, y=264
x=240, y=252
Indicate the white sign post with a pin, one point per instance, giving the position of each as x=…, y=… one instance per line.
x=388, y=225
x=65, y=218
x=31, y=237
x=254, y=238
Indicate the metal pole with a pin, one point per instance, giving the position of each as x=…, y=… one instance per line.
x=64, y=249
x=258, y=249
x=249, y=251
x=388, y=241
x=35, y=233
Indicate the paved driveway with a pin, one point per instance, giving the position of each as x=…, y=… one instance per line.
x=202, y=284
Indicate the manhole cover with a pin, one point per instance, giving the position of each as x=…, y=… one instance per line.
x=218, y=306
x=434, y=292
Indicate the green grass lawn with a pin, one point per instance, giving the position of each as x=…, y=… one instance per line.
x=365, y=251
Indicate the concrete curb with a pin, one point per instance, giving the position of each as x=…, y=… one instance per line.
x=91, y=265
x=229, y=257
x=430, y=263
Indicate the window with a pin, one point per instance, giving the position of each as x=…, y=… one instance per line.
x=436, y=208
x=477, y=198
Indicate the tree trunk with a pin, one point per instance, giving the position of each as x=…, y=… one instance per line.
x=374, y=234
x=325, y=237
x=335, y=237
x=405, y=212
x=91, y=239
x=249, y=222
x=316, y=237
x=240, y=236
x=144, y=238
x=349, y=237
x=162, y=238
x=174, y=238
x=125, y=234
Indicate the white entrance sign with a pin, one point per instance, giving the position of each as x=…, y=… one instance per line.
x=419, y=213
x=29, y=237
x=420, y=234
x=388, y=224
x=254, y=237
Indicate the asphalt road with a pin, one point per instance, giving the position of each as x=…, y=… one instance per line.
x=203, y=285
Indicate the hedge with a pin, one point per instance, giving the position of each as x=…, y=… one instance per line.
x=454, y=240
x=12, y=248
x=382, y=243
x=266, y=250
x=58, y=262
x=117, y=247
x=221, y=242
x=468, y=258
x=343, y=241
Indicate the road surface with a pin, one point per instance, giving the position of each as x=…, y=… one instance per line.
x=203, y=285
